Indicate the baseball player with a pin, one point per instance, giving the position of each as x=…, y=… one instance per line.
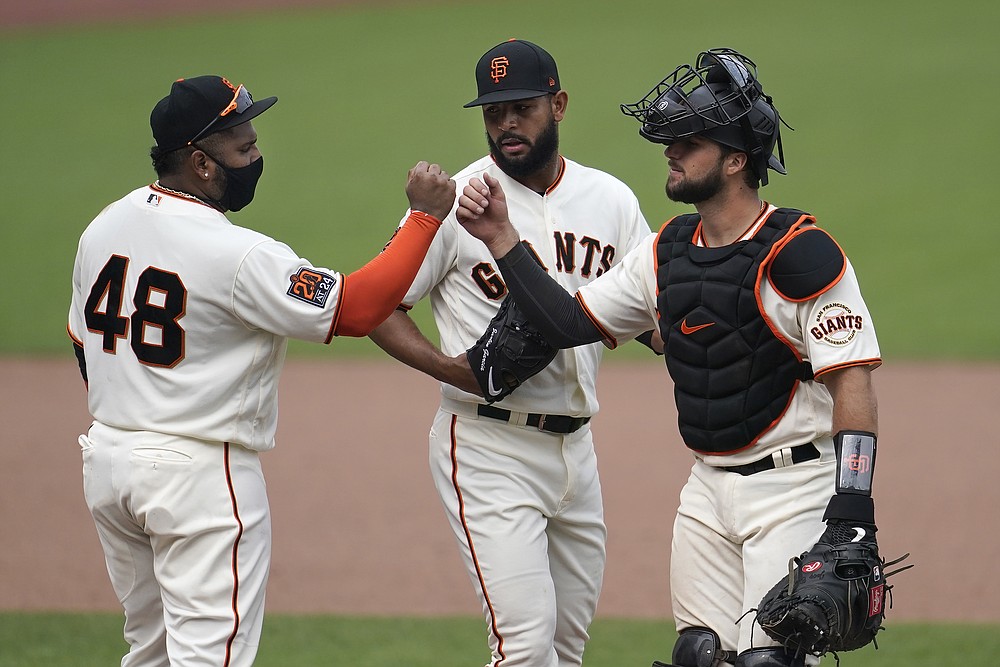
x=518, y=477
x=179, y=320
x=767, y=340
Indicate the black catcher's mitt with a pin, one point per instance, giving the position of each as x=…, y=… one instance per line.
x=509, y=352
x=833, y=597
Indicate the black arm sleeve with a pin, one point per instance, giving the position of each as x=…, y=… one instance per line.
x=560, y=317
x=78, y=350
x=646, y=338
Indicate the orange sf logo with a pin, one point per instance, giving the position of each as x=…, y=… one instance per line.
x=859, y=463
x=498, y=68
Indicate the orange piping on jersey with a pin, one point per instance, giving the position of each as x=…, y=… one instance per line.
x=72, y=337
x=609, y=340
x=781, y=245
x=235, y=562
x=468, y=540
x=336, y=313
x=874, y=362
x=379, y=286
x=562, y=170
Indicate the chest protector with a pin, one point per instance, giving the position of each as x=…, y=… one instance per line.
x=733, y=374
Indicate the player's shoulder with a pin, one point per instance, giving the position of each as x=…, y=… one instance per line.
x=589, y=177
x=808, y=262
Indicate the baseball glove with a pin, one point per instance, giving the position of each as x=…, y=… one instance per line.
x=833, y=597
x=509, y=352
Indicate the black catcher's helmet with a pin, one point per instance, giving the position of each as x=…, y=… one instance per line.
x=719, y=98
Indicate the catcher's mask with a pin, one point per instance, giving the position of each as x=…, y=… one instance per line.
x=719, y=98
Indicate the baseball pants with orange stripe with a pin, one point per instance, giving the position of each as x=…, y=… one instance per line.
x=527, y=513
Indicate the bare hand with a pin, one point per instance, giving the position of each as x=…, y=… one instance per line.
x=482, y=211
x=430, y=189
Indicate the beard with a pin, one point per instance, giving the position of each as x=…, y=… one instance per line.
x=541, y=152
x=694, y=192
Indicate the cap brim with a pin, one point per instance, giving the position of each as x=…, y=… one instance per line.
x=254, y=110
x=505, y=96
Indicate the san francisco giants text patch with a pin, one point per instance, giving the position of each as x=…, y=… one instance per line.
x=311, y=286
x=836, y=324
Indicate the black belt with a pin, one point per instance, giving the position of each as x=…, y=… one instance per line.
x=806, y=452
x=552, y=423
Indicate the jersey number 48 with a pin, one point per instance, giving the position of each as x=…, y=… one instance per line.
x=157, y=339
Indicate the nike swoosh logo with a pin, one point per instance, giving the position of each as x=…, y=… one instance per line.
x=861, y=532
x=687, y=330
x=490, y=387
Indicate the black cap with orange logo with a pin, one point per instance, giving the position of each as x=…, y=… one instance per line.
x=200, y=106
x=515, y=70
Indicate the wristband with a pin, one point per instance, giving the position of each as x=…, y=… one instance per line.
x=855, y=469
x=855, y=461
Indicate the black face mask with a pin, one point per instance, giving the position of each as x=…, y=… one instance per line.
x=241, y=182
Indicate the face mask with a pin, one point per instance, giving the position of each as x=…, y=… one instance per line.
x=240, y=184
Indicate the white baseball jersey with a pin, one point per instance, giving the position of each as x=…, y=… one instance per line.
x=585, y=222
x=831, y=331
x=184, y=318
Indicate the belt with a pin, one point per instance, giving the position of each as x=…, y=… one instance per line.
x=779, y=459
x=561, y=424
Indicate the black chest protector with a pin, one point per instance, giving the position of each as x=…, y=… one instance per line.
x=734, y=376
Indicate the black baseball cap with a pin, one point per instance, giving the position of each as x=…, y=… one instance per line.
x=200, y=106
x=515, y=70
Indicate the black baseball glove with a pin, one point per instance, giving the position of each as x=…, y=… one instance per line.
x=833, y=597
x=509, y=352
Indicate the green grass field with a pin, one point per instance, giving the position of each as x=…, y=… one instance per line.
x=63, y=640
x=893, y=117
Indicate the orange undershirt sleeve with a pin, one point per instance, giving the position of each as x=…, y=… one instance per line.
x=370, y=294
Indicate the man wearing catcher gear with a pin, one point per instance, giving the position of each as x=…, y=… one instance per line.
x=769, y=345
x=518, y=476
x=180, y=320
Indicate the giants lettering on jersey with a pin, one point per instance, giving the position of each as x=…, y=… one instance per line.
x=597, y=259
x=836, y=324
x=566, y=254
x=311, y=286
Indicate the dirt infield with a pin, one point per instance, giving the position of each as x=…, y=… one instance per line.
x=359, y=530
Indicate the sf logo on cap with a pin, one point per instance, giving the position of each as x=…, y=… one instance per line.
x=498, y=68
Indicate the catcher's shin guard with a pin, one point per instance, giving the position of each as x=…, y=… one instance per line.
x=698, y=647
x=768, y=657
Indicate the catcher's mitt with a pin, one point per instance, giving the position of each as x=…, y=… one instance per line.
x=509, y=352
x=833, y=598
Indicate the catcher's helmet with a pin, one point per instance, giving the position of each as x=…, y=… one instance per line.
x=719, y=98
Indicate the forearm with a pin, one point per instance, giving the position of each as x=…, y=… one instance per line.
x=855, y=428
x=855, y=407
x=370, y=294
x=400, y=337
x=548, y=306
